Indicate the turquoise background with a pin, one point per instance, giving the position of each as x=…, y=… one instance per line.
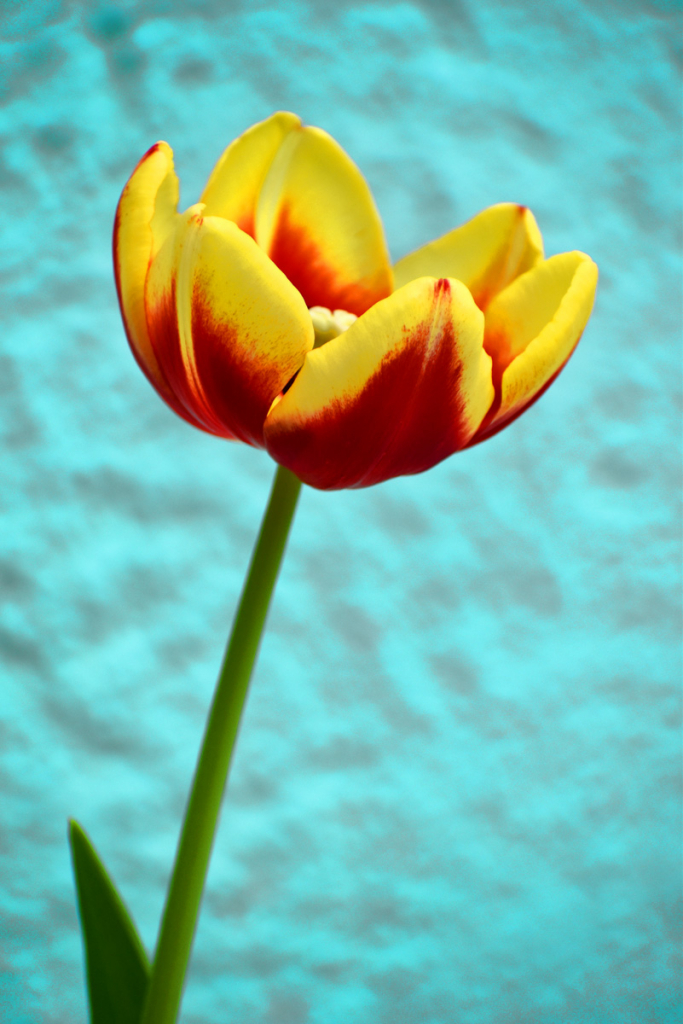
x=456, y=794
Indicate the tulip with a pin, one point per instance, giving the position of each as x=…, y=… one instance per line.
x=269, y=312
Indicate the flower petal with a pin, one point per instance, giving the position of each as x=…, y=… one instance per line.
x=485, y=253
x=233, y=188
x=145, y=217
x=406, y=386
x=317, y=221
x=228, y=328
x=532, y=328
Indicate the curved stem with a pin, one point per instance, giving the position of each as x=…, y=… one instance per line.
x=184, y=895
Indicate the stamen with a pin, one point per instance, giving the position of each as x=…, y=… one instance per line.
x=328, y=324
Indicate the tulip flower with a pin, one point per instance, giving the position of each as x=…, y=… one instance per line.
x=269, y=312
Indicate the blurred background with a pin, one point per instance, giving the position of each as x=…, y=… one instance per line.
x=456, y=792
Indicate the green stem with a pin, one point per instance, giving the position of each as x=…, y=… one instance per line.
x=201, y=817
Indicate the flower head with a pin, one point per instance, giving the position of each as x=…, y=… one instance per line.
x=269, y=312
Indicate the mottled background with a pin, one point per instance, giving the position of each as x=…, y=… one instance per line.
x=456, y=792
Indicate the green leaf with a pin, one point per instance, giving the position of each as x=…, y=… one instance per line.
x=117, y=967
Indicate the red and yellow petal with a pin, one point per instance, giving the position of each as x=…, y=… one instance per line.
x=228, y=329
x=406, y=386
x=486, y=253
x=531, y=330
x=146, y=216
x=317, y=221
x=233, y=188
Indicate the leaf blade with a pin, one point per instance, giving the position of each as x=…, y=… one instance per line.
x=117, y=967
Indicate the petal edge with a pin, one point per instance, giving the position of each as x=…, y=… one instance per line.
x=145, y=216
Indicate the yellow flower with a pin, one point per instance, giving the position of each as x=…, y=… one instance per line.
x=269, y=312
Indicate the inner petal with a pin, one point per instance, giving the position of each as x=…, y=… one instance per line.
x=486, y=253
x=317, y=221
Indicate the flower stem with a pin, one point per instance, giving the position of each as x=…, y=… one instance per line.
x=184, y=895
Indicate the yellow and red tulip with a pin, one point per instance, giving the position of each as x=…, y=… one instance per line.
x=270, y=313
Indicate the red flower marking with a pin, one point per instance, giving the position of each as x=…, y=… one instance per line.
x=498, y=346
x=489, y=428
x=162, y=324
x=302, y=261
x=246, y=224
x=238, y=386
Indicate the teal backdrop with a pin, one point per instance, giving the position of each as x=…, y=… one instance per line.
x=456, y=793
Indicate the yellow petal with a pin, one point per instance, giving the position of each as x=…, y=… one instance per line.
x=233, y=188
x=533, y=327
x=145, y=217
x=486, y=253
x=317, y=221
x=404, y=387
x=228, y=328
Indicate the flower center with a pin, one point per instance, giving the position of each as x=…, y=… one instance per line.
x=327, y=324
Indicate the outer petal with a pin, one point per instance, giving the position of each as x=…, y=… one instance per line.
x=232, y=190
x=485, y=253
x=317, y=221
x=406, y=386
x=145, y=217
x=227, y=327
x=532, y=328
